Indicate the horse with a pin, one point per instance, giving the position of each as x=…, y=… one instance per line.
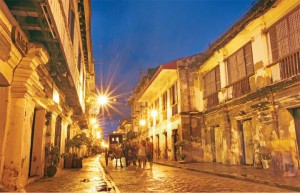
x=118, y=154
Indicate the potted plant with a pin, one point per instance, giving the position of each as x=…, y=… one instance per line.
x=179, y=150
x=68, y=159
x=52, y=155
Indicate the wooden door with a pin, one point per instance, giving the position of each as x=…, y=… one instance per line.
x=248, y=142
x=218, y=143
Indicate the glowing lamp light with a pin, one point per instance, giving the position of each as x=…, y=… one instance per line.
x=93, y=120
x=102, y=100
x=142, y=122
x=98, y=134
x=154, y=113
x=96, y=126
x=55, y=96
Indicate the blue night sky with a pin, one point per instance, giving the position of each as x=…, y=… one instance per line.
x=133, y=35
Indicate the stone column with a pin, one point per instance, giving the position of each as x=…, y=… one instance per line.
x=25, y=85
x=4, y=118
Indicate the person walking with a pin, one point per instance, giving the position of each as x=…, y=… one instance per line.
x=142, y=154
x=106, y=156
x=149, y=152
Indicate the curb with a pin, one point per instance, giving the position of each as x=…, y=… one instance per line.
x=236, y=177
x=109, y=178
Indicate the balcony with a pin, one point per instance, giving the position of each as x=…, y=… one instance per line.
x=45, y=23
x=290, y=66
x=212, y=100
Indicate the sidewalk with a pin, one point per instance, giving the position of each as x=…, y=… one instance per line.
x=89, y=178
x=246, y=173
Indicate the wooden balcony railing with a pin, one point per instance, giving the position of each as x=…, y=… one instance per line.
x=241, y=87
x=290, y=66
x=174, y=109
x=212, y=100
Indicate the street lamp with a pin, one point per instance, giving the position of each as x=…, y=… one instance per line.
x=154, y=113
x=93, y=121
x=102, y=100
x=142, y=122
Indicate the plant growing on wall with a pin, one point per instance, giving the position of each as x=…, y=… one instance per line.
x=179, y=152
x=48, y=118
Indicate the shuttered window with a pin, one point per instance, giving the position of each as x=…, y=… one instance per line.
x=173, y=93
x=212, y=83
x=240, y=64
x=285, y=36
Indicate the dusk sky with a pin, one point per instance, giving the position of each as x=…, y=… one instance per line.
x=133, y=35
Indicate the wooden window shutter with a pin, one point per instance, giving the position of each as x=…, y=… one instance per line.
x=274, y=44
x=218, y=78
x=282, y=38
x=248, y=59
x=294, y=27
x=241, y=71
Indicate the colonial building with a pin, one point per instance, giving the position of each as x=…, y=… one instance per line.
x=242, y=94
x=46, y=73
x=161, y=102
x=249, y=90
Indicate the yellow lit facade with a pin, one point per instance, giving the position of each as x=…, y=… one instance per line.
x=238, y=102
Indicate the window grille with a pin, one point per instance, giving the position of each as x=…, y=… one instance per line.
x=240, y=64
x=212, y=85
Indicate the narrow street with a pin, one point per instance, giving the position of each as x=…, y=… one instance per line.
x=169, y=179
x=90, y=178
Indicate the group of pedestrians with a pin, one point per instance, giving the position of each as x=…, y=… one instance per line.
x=136, y=153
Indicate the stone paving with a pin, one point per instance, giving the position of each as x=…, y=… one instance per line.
x=163, y=178
x=90, y=178
x=246, y=173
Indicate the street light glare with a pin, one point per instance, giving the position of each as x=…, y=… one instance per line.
x=102, y=100
x=93, y=120
x=154, y=113
x=142, y=122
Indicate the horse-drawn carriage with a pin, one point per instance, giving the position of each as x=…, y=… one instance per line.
x=115, y=141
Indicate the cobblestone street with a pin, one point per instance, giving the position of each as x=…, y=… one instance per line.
x=170, y=179
x=90, y=178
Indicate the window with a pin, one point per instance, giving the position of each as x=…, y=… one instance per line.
x=212, y=83
x=174, y=99
x=285, y=36
x=173, y=93
x=285, y=44
x=164, y=105
x=156, y=107
x=240, y=64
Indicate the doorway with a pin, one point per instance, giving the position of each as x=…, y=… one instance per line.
x=247, y=145
x=157, y=147
x=296, y=116
x=213, y=144
x=218, y=143
x=166, y=146
x=30, y=172
x=174, y=138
